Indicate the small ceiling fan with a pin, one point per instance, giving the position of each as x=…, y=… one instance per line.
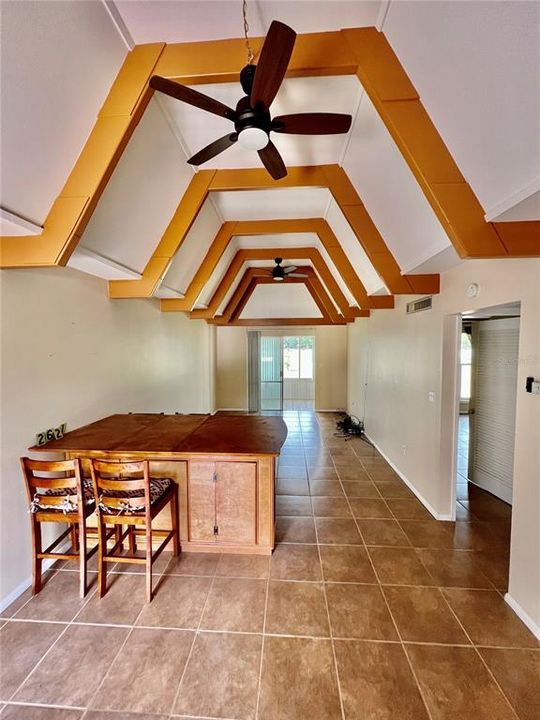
x=252, y=120
x=279, y=273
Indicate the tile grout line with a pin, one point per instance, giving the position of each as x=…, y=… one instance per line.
x=122, y=646
x=195, y=636
x=330, y=630
x=259, y=680
x=68, y=625
x=391, y=614
x=479, y=654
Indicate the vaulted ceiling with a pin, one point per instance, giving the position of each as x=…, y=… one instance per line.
x=441, y=162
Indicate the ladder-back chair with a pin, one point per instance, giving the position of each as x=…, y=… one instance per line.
x=126, y=495
x=58, y=493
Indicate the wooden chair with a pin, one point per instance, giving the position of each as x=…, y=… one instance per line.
x=63, y=498
x=125, y=494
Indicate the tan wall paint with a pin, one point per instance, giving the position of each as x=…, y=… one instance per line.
x=231, y=368
x=405, y=356
x=330, y=365
x=71, y=355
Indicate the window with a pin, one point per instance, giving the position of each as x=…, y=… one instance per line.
x=465, y=360
x=298, y=357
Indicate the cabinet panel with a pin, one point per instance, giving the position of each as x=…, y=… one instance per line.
x=202, y=501
x=236, y=502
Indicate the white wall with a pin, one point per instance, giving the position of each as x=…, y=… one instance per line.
x=69, y=354
x=405, y=358
x=58, y=61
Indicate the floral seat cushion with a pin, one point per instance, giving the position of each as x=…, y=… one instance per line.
x=70, y=498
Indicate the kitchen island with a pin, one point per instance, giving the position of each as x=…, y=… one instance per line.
x=224, y=465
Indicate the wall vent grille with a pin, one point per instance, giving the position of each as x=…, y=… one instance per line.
x=419, y=305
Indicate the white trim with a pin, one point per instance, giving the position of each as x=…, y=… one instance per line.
x=25, y=584
x=530, y=189
x=118, y=21
x=383, y=14
x=522, y=615
x=230, y=410
x=23, y=223
x=425, y=503
x=78, y=257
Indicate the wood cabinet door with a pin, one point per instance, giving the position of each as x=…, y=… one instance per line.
x=236, y=502
x=202, y=501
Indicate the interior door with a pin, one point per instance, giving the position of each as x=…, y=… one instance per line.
x=202, y=501
x=236, y=502
x=271, y=373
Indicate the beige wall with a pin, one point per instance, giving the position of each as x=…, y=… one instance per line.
x=71, y=355
x=330, y=366
x=405, y=360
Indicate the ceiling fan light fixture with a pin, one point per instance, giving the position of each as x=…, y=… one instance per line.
x=278, y=278
x=253, y=138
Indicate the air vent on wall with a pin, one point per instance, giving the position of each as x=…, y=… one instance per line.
x=418, y=305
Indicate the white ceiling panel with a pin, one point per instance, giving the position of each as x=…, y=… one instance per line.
x=58, y=62
x=390, y=192
x=191, y=20
x=282, y=203
x=141, y=196
x=476, y=66
x=193, y=249
x=354, y=250
x=296, y=95
x=284, y=301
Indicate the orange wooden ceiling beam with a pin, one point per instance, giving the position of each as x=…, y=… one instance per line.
x=332, y=177
x=269, y=227
x=289, y=253
x=361, y=51
x=259, y=276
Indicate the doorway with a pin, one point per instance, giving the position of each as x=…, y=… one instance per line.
x=281, y=372
x=488, y=360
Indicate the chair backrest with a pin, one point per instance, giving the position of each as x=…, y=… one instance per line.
x=53, y=484
x=121, y=487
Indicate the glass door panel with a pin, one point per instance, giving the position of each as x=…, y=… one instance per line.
x=271, y=359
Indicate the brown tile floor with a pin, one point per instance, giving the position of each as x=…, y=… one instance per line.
x=369, y=608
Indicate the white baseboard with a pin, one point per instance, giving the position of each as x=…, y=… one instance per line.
x=25, y=584
x=230, y=410
x=408, y=483
x=523, y=616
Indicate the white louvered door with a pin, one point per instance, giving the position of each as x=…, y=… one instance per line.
x=495, y=361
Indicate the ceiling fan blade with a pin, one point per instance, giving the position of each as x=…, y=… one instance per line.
x=297, y=275
x=273, y=161
x=210, y=151
x=312, y=123
x=192, y=97
x=272, y=66
x=290, y=269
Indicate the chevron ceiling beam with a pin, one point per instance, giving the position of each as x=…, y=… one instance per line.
x=287, y=253
x=332, y=177
x=253, y=277
x=272, y=227
x=361, y=51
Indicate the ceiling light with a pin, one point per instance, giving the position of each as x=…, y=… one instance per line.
x=277, y=278
x=253, y=138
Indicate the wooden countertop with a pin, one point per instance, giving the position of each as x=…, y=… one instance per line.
x=189, y=434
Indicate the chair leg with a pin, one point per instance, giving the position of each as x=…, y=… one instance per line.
x=102, y=565
x=118, y=537
x=83, y=559
x=175, y=522
x=149, y=561
x=132, y=540
x=74, y=539
x=36, y=562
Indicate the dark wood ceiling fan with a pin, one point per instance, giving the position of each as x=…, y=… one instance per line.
x=280, y=272
x=252, y=120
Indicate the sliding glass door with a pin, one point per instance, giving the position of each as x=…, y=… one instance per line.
x=271, y=373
